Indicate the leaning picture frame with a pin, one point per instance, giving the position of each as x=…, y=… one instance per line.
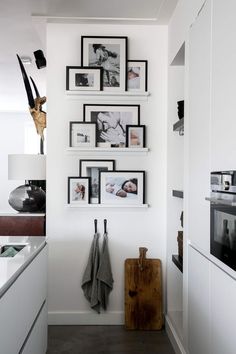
x=110, y=53
x=81, y=78
x=111, y=121
x=91, y=168
x=122, y=188
x=82, y=135
x=135, y=136
x=137, y=75
x=78, y=190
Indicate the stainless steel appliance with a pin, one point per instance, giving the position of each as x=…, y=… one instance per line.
x=223, y=217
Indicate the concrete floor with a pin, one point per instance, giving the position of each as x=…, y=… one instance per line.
x=106, y=340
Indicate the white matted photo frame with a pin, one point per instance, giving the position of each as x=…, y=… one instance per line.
x=78, y=190
x=91, y=168
x=111, y=122
x=82, y=134
x=137, y=75
x=110, y=53
x=80, y=78
x=135, y=136
x=122, y=187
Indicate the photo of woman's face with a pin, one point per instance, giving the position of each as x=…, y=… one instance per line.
x=130, y=187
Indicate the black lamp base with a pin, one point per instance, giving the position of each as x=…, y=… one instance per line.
x=28, y=199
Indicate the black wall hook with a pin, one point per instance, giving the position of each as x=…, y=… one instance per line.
x=95, y=225
x=105, y=226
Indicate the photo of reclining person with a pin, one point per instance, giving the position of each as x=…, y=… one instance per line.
x=122, y=187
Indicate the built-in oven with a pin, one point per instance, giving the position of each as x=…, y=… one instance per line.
x=223, y=217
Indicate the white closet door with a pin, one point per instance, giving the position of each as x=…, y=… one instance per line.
x=223, y=312
x=199, y=128
x=198, y=304
x=224, y=85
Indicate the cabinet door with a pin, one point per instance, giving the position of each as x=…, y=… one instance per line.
x=199, y=128
x=223, y=312
x=37, y=341
x=223, y=85
x=21, y=303
x=198, y=304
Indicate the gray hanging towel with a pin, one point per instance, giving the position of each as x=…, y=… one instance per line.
x=104, y=274
x=90, y=282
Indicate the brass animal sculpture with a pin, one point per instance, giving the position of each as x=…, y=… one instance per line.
x=35, y=105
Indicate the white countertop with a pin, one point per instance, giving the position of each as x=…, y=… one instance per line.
x=12, y=267
x=15, y=213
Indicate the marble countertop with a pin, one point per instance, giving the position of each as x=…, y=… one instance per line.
x=12, y=267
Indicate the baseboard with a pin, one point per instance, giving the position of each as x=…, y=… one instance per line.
x=173, y=337
x=86, y=318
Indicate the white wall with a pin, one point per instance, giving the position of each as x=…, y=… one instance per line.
x=70, y=231
x=184, y=15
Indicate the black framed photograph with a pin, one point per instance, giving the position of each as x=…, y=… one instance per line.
x=137, y=77
x=91, y=168
x=122, y=187
x=111, y=122
x=82, y=134
x=80, y=78
x=110, y=53
x=78, y=190
x=135, y=136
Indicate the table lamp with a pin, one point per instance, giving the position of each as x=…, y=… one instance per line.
x=27, y=198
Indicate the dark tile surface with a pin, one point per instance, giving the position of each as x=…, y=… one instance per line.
x=106, y=340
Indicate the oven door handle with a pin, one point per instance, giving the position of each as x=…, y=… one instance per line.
x=221, y=201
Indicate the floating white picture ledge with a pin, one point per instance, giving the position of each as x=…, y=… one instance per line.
x=142, y=206
x=114, y=96
x=109, y=150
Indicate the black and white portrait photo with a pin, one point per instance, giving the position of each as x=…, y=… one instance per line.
x=92, y=168
x=109, y=53
x=78, y=190
x=111, y=122
x=82, y=134
x=83, y=78
x=107, y=56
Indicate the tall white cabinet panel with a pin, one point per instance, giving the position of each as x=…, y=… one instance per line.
x=223, y=85
x=198, y=303
x=223, y=312
x=199, y=128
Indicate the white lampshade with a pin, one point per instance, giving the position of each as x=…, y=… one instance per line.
x=27, y=167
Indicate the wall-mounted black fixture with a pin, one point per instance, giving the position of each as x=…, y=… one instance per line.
x=40, y=59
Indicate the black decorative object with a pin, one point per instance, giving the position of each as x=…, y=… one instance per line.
x=180, y=105
x=40, y=60
x=28, y=199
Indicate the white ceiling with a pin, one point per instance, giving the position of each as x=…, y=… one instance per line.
x=159, y=10
x=19, y=34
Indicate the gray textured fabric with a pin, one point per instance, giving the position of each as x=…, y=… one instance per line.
x=104, y=275
x=90, y=283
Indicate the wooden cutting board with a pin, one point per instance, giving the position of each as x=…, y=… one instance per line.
x=143, y=293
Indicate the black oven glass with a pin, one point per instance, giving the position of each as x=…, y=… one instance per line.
x=223, y=233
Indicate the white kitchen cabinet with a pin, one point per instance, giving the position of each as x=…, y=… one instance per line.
x=20, y=304
x=199, y=129
x=223, y=312
x=36, y=343
x=223, y=127
x=198, y=303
